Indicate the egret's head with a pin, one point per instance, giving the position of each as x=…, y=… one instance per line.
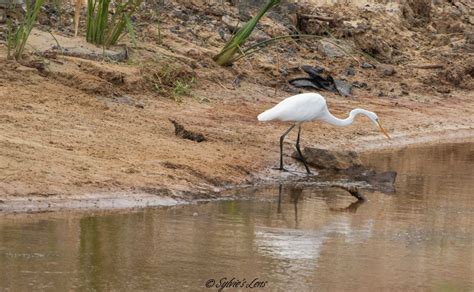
x=375, y=119
x=372, y=116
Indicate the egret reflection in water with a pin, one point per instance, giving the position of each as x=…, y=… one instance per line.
x=301, y=244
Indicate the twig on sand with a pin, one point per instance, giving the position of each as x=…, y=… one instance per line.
x=427, y=66
x=318, y=17
x=222, y=85
x=76, y=52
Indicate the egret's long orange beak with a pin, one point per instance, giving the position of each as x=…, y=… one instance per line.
x=383, y=130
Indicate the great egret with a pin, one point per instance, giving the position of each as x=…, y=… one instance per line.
x=307, y=107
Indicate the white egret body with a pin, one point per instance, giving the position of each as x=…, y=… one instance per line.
x=307, y=107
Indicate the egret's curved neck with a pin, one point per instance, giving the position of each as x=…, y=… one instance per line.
x=330, y=119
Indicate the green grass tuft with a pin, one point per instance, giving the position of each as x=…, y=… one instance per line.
x=17, y=36
x=106, y=30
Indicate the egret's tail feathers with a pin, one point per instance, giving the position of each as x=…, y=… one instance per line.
x=265, y=116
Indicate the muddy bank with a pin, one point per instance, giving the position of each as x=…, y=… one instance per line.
x=115, y=201
x=57, y=140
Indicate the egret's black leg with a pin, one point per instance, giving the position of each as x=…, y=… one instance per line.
x=299, y=150
x=281, y=146
x=280, y=190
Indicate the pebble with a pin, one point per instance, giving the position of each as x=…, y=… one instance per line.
x=350, y=71
x=366, y=65
x=388, y=71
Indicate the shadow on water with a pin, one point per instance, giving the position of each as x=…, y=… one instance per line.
x=293, y=236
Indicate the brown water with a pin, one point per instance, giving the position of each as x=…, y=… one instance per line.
x=420, y=238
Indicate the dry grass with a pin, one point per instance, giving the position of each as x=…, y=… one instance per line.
x=168, y=78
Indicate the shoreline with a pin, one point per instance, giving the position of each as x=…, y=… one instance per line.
x=442, y=136
x=167, y=197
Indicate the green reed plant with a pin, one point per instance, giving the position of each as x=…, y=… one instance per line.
x=106, y=30
x=17, y=35
x=233, y=46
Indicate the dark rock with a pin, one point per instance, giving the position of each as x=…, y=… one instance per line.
x=259, y=35
x=313, y=72
x=248, y=5
x=231, y=23
x=303, y=83
x=331, y=50
x=344, y=88
x=248, y=8
x=330, y=159
x=291, y=89
x=470, y=38
x=358, y=84
x=388, y=70
x=366, y=65
x=237, y=80
x=348, y=164
x=181, y=15
x=350, y=71
x=175, y=29
x=316, y=79
x=222, y=34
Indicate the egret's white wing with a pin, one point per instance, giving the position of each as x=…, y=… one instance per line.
x=297, y=108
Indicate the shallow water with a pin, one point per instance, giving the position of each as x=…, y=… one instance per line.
x=421, y=237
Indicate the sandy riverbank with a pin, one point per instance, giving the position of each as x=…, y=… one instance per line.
x=79, y=133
